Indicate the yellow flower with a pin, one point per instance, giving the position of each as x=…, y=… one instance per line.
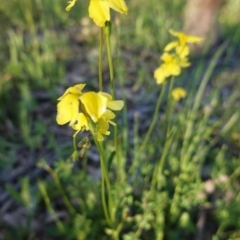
x=70, y=5
x=171, y=67
x=178, y=93
x=181, y=46
x=87, y=111
x=103, y=122
x=99, y=10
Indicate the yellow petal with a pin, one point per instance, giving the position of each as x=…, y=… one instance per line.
x=166, y=57
x=173, y=69
x=99, y=11
x=160, y=74
x=111, y=122
x=185, y=38
x=108, y=115
x=118, y=5
x=77, y=89
x=193, y=39
x=106, y=95
x=174, y=33
x=115, y=105
x=171, y=45
x=102, y=128
x=82, y=123
x=184, y=63
x=178, y=93
x=70, y=4
x=182, y=51
x=67, y=109
x=94, y=104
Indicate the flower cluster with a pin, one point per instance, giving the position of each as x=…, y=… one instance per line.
x=173, y=62
x=87, y=111
x=99, y=10
x=178, y=93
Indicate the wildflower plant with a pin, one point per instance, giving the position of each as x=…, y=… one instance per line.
x=94, y=111
x=87, y=111
x=153, y=172
x=175, y=56
x=178, y=93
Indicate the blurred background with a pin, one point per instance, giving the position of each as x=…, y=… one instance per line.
x=44, y=50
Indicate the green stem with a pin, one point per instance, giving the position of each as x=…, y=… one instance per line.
x=170, y=87
x=107, y=31
x=118, y=173
x=104, y=200
x=170, y=107
x=100, y=61
x=155, y=118
x=74, y=143
x=150, y=129
x=160, y=165
x=107, y=205
x=75, y=152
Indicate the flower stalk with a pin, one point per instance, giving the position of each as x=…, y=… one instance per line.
x=107, y=32
x=100, y=79
x=106, y=196
x=150, y=129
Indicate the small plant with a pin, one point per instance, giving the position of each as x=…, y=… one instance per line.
x=165, y=171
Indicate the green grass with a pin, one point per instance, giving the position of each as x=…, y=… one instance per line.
x=175, y=180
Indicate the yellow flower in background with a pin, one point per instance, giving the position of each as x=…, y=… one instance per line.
x=174, y=62
x=171, y=67
x=70, y=5
x=99, y=10
x=160, y=74
x=87, y=111
x=181, y=46
x=178, y=93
